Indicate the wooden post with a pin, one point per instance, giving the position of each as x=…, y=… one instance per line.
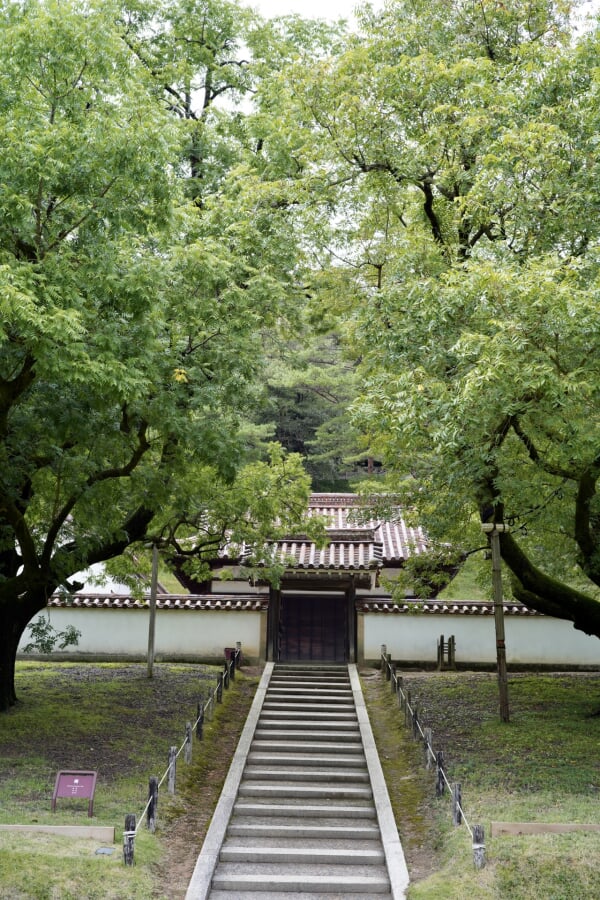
x=152, y=804
x=172, y=770
x=452, y=652
x=428, y=743
x=407, y=710
x=415, y=721
x=188, y=743
x=456, y=804
x=383, y=658
x=200, y=719
x=152, y=613
x=129, y=839
x=393, y=682
x=440, y=784
x=388, y=666
x=232, y=665
x=440, y=653
x=494, y=529
x=220, y=687
x=479, y=846
x=400, y=692
x=226, y=675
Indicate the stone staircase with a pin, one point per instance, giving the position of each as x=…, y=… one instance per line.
x=303, y=821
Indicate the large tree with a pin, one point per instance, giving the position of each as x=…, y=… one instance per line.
x=136, y=274
x=455, y=142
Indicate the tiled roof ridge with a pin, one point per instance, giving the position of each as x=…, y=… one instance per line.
x=207, y=602
x=442, y=607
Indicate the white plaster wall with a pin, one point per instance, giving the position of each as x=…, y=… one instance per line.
x=179, y=633
x=532, y=640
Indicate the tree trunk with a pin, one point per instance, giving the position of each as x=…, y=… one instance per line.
x=14, y=618
x=10, y=635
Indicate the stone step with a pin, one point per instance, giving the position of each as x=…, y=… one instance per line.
x=306, y=759
x=301, y=810
x=314, y=722
x=308, y=712
x=292, y=895
x=304, y=791
x=270, y=733
x=308, y=773
x=304, y=832
x=339, y=884
x=336, y=668
x=302, y=702
x=310, y=686
x=324, y=682
x=314, y=855
x=308, y=747
x=303, y=698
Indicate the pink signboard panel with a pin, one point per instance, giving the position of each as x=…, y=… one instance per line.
x=77, y=785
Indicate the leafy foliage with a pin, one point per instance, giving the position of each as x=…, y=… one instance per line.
x=454, y=145
x=140, y=259
x=45, y=637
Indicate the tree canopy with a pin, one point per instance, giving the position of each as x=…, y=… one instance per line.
x=454, y=146
x=402, y=221
x=139, y=263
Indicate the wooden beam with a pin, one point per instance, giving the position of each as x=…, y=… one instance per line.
x=516, y=828
x=105, y=833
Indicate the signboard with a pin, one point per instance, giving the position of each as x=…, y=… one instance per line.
x=77, y=785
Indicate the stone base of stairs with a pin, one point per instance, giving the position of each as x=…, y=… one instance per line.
x=304, y=812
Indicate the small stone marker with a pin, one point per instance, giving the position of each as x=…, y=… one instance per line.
x=76, y=785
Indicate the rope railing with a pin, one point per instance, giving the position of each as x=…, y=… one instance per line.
x=411, y=718
x=205, y=710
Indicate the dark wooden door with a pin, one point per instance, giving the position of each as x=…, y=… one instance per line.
x=313, y=627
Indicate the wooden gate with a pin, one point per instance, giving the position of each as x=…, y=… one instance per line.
x=313, y=628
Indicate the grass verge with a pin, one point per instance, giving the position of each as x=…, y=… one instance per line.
x=542, y=766
x=114, y=720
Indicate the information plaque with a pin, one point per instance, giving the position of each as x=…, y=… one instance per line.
x=77, y=786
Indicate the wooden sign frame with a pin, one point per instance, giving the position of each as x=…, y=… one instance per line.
x=76, y=784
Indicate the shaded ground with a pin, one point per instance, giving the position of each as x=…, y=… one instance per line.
x=408, y=782
x=548, y=750
x=143, y=709
x=187, y=817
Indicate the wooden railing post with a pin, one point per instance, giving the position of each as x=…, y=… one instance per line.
x=200, y=719
x=152, y=803
x=440, y=784
x=415, y=721
x=428, y=744
x=456, y=804
x=129, y=839
x=172, y=770
x=479, y=846
x=188, y=742
x=220, y=687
